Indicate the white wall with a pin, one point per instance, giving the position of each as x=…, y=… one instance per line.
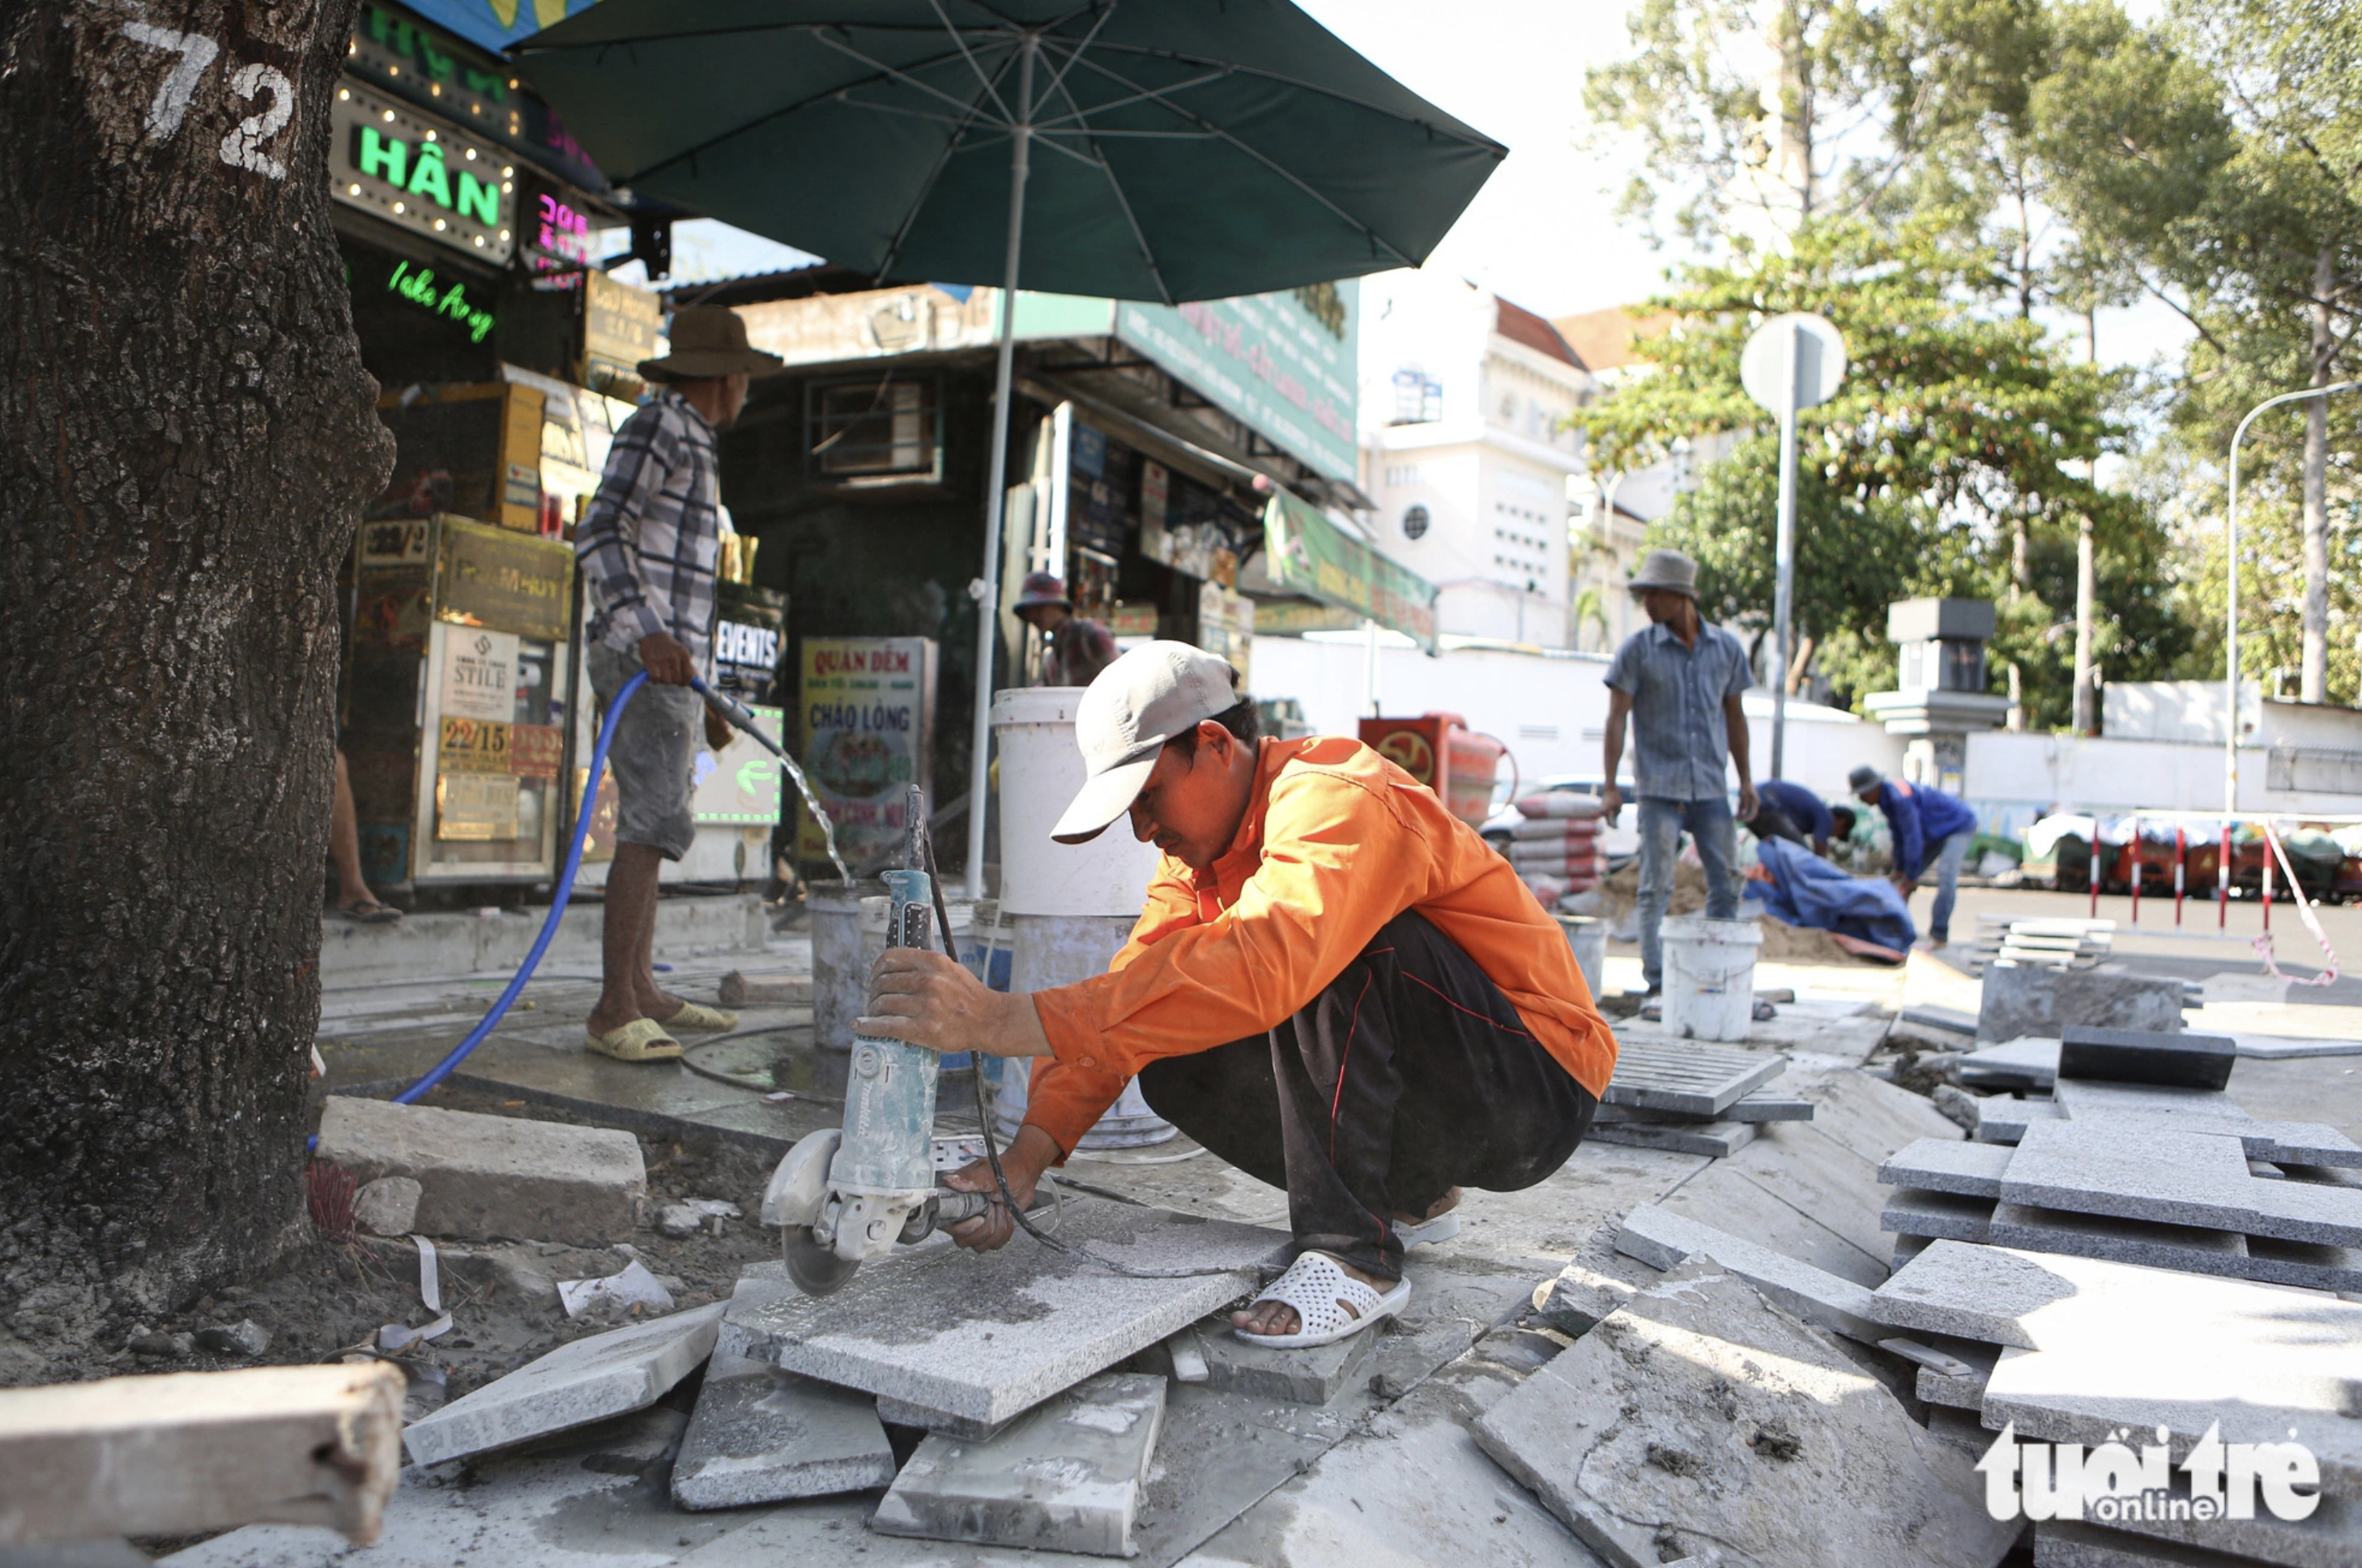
x=2014, y=779
x=1550, y=711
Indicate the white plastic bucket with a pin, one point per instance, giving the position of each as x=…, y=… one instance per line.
x=1051, y=950
x=841, y=959
x=1709, y=976
x=1587, y=935
x=1040, y=771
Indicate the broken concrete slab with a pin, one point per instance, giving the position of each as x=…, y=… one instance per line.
x=179, y=1452
x=573, y=1385
x=485, y=1177
x=1728, y=1196
x=2000, y=1120
x=1304, y=1375
x=1065, y=1478
x=1939, y=1216
x=1579, y=1297
x=982, y=1337
x=594, y=1497
x=736, y=990
x=387, y=1206
x=2147, y=1056
x=2020, y=999
x=1702, y=1418
x=1948, y=1165
x=1651, y=1234
x=760, y=1435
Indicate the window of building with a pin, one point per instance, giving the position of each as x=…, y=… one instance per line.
x=888, y=432
x=1415, y=522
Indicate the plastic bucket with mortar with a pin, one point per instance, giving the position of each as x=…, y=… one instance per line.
x=1068, y=906
x=1587, y=935
x=1709, y=976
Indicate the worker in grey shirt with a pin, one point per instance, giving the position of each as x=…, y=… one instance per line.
x=1679, y=683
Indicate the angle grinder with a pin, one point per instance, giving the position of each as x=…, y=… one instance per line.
x=845, y=1195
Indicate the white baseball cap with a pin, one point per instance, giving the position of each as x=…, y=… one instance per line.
x=1137, y=703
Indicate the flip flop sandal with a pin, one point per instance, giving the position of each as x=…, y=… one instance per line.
x=641, y=1039
x=712, y=1020
x=1443, y=1228
x=369, y=913
x=1313, y=1284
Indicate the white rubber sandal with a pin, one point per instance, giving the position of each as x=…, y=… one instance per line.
x=1443, y=1228
x=1313, y=1284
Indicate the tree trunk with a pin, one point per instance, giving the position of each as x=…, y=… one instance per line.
x=2314, y=683
x=185, y=436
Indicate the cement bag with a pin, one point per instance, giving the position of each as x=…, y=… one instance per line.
x=1560, y=804
x=1555, y=828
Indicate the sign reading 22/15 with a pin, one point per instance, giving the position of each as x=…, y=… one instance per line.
x=242, y=147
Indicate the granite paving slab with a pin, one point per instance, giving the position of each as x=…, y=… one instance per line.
x=577, y=1384
x=1939, y=1164
x=1066, y=1477
x=1312, y=1375
x=2021, y=999
x=2001, y=1120
x=2191, y=1248
x=2059, y=1543
x=2147, y=1056
x=2087, y=1098
x=760, y=1435
x=1719, y=1140
x=1700, y=1419
x=1665, y=1241
x=1939, y=1216
x=983, y=1337
x=2028, y=1062
x=1683, y=1075
x=2149, y=1170
x=1728, y=1196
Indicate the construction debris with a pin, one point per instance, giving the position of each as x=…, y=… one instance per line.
x=492, y=1177
x=387, y=1206
x=1664, y=1241
x=1068, y=1477
x=201, y=1451
x=1701, y=1419
x=573, y=1385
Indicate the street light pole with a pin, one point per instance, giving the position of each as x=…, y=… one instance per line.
x=1783, y=551
x=2231, y=612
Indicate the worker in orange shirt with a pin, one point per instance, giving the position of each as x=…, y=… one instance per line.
x=1335, y=985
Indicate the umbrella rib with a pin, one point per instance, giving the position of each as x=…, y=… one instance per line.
x=833, y=94
x=896, y=74
x=675, y=35
x=1058, y=82
x=1115, y=187
x=1127, y=103
x=927, y=186
x=959, y=38
x=1473, y=139
x=1219, y=134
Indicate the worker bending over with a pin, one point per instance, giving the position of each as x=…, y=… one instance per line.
x=1926, y=826
x=1334, y=984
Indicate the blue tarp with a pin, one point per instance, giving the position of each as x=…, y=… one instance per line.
x=1807, y=890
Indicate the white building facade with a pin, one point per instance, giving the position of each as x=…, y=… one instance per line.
x=1465, y=448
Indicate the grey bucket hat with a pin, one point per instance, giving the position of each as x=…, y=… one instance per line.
x=1668, y=571
x=1862, y=778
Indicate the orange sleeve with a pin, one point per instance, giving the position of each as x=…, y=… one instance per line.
x=1338, y=862
x=1063, y=1098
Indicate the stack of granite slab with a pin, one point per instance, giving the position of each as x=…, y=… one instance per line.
x=1693, y=1098
x=2163, y=1364
x=2141, y=1156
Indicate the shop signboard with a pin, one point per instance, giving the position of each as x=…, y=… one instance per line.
x=497, y=24
x=739, y=785
x=620, y=327
x=503, y=579
x=395, y=51
x=479, y=677
x=1306, y=553
x=419, y=173
x=1283, y=363
x=475, y=808
x=867, y=712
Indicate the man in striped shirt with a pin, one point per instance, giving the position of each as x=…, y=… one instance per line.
x=649, y=546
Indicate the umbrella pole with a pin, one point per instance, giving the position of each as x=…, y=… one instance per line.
x=988, y=592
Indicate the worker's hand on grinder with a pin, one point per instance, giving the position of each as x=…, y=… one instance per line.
x=667, y=662
x=922, y=997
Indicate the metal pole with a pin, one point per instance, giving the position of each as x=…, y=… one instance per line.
x=2231, y=611
x=987, y=596
x=2095, y=868
x=1784, y=556
x=2222, y=880
x=2137, y=869
x=2267, y=879
x=2180, y=869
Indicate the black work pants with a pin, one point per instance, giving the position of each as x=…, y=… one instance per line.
x=1411, y=1074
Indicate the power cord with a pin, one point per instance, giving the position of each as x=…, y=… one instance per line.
x=991, y=1148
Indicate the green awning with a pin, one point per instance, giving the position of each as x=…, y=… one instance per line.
x=1307, y=554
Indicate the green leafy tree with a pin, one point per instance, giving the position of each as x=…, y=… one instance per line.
x=1959, y=432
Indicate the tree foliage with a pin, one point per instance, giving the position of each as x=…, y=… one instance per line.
x=1957, y=425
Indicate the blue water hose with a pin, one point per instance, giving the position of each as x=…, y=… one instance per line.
x=562, y=893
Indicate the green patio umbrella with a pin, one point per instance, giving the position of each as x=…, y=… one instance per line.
x=1157, y=150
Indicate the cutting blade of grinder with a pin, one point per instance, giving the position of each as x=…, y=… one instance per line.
x=816, y=1269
